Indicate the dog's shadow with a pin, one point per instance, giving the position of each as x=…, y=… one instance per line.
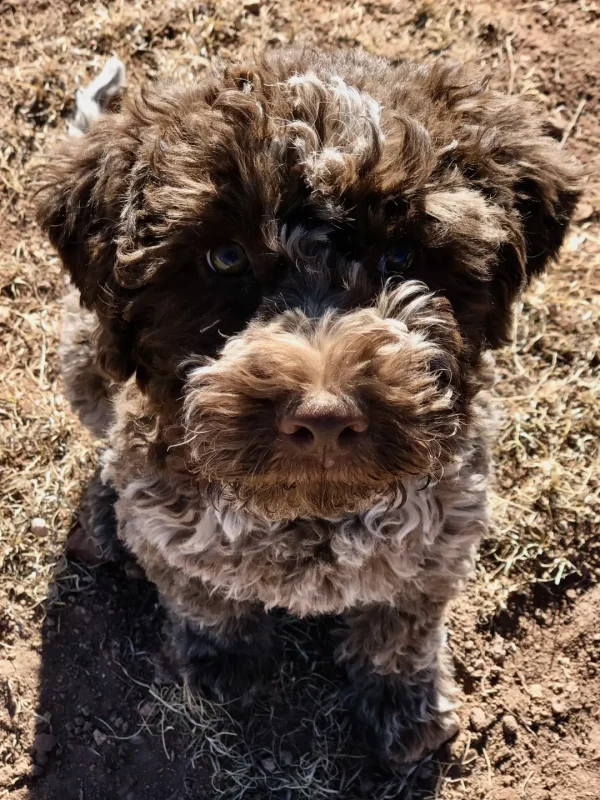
x=113, y=724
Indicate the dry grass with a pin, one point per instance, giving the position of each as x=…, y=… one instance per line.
x=548, y=452
x=548, y=495
x=245, y=764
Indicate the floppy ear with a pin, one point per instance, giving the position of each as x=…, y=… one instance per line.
x=80, y=203
x=536, y=184
x=79, y=207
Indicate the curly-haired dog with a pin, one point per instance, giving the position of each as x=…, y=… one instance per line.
x=297, y=270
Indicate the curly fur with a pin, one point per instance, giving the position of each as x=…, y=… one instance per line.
x=88, y=388
x=319, y=165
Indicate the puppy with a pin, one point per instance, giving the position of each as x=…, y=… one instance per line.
x=292, y=276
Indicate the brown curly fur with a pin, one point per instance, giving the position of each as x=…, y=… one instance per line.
x=319, y=164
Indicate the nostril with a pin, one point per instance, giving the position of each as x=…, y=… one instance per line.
x=351, y=433
x=302, y=437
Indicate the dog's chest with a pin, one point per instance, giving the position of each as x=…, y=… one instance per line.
x=306, y=566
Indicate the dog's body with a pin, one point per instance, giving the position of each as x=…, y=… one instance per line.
x=297, y=271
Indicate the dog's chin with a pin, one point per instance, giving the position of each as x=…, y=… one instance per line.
x=285, y=500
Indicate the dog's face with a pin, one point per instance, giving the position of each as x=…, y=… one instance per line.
x=303, y=262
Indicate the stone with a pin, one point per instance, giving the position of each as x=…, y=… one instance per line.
x=536, y=691
x=478, y=719
x=99, y=737
x=559, y=707
x=39, y=527
x=269, y=764
x=510, y=726
x=44, y=743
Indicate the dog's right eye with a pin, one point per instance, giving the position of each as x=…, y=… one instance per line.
x=228, y=259
x=395, y=260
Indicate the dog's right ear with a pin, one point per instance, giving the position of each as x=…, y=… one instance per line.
x=79, y=205
x=83, y=182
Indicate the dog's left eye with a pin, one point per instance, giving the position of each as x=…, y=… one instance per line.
x=228, y=259
x=393, y=261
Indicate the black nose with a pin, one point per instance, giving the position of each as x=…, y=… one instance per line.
x=324, y=423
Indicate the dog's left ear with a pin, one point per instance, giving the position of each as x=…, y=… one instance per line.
x=525, y=171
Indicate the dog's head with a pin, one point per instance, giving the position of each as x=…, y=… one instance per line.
x=303, y=262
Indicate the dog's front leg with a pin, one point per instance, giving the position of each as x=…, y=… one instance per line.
x=401, y=683
x=225, y=653
x=221, y=647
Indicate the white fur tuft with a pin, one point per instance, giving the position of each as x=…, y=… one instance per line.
x=93, y=100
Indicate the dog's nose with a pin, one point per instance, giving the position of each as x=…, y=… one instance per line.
x=325, y=423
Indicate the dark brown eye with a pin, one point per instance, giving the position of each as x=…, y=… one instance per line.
x=228, y=259
x=396, y=259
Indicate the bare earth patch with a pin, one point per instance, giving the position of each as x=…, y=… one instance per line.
x=87, y=709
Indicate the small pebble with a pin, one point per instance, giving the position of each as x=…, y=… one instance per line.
x=99, y=737
x=536, y=691
x=498, y=651
x=269, y=764
x=478, y=719
x=559, y=706
x=510, y=726
x=44, y=742
x=39, y=527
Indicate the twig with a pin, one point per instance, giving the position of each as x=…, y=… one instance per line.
x=42, y=367
x=511, y=63
x=489, y=766
x=571, y=126
x=527, y=779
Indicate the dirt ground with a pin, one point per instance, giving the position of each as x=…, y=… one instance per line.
x=88, y=710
